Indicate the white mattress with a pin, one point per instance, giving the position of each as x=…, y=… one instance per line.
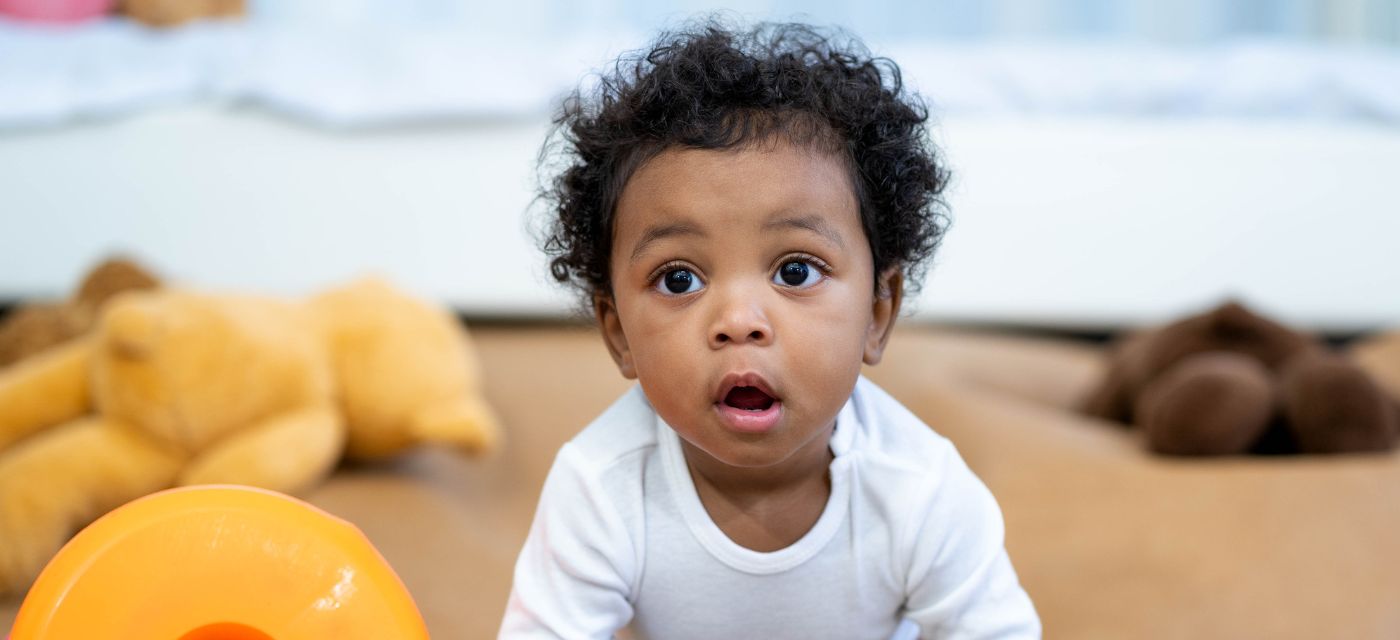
x=1059, y=221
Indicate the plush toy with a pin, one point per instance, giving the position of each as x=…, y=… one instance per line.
x=182, y=388
x=35, y=327
x=169, y=13
x=1230, y=381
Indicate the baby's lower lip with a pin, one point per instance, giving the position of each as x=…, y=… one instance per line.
x=747, y=421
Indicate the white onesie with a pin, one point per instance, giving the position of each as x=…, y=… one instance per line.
x=909, y=543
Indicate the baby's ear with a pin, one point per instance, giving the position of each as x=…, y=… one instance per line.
x=605, y=309
x=889, y=293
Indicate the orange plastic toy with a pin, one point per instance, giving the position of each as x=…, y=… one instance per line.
x=218, y=563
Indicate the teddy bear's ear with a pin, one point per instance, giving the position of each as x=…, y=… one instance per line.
x=1258, y=335
x=131, y=328
x=110, y=278
x=1234, y=318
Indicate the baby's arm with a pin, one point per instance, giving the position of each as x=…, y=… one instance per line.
x=960, y=583
x=575, y=572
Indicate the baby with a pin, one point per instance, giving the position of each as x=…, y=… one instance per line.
x=745, y=210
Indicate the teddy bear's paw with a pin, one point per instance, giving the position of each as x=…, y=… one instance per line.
x=43, y=391
x=58, y=481
x=32, y=526
x=1335, y=407
x=27, y=541
x=287, y=452
x=1213, y=403
x=21, y=564
x=470, y=426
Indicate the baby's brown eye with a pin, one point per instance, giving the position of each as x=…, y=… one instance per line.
x=797, y=273
x=794, y=273
x=678, y=281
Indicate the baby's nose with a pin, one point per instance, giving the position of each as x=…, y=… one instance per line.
x=740, y=321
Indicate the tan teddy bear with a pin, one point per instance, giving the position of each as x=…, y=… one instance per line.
x=180, y=388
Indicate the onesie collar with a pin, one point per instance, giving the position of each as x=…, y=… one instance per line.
x=741, y=558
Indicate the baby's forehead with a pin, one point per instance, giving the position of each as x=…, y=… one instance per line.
x=733, y=196
x=752, y=177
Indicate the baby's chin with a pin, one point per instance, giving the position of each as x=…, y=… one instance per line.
x=741, y=456
x=747, y=450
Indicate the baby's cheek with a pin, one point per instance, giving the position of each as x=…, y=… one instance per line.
x=829, y=369
x=672, y=387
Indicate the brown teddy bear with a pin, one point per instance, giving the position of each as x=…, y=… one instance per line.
x=182, y=388
x=1230, y=381
x=35, y=327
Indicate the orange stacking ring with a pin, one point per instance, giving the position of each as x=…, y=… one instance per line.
x=218, y=563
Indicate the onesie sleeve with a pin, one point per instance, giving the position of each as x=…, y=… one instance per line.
x=575, y=572
x=960, y=582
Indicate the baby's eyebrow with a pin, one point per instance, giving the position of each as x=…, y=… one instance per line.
x=813, y=223
x=660, y=231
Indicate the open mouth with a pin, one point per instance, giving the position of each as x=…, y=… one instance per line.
x=748, y=404
x=748, y=399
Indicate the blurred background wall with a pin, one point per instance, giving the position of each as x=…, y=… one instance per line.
x=1115, y=162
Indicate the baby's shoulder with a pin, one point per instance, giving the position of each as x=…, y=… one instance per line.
x=909, y=472
x=624, y=430
x=892, y=437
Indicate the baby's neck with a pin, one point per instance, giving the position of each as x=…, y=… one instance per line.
x=769, y=508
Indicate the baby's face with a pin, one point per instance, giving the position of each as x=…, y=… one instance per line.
x=743, y=297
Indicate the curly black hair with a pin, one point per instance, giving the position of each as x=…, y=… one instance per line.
x=713, y=87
